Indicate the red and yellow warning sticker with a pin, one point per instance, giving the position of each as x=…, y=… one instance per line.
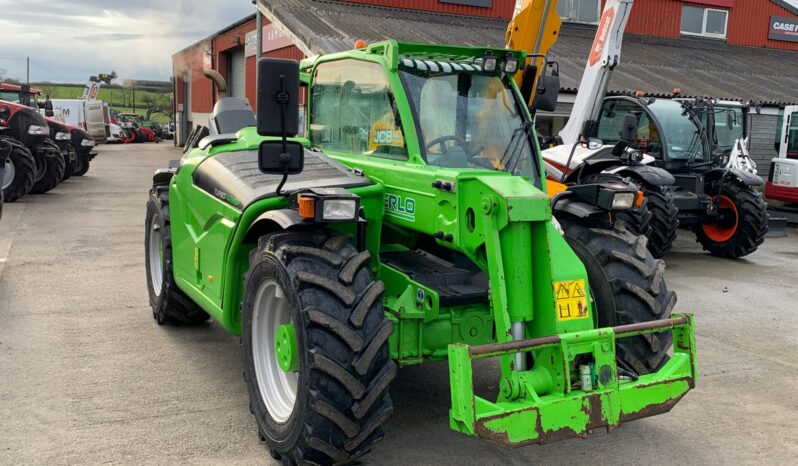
x=570, y=300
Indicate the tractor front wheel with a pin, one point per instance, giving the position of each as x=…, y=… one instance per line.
x=664, y=219
x=81, y=164
x=71, y=159
x=627, y=286
x=740, y=225
x=54, y=165
x=20, y=170
x=315, y=347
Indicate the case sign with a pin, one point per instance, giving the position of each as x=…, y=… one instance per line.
x=782, y=28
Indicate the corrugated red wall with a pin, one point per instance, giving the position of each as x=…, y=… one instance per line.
x=659, y=18
x=190, y=60
x=498, y=9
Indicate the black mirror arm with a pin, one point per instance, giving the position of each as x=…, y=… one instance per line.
x=283, y=98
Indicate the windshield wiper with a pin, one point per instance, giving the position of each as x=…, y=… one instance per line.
x=524, y=129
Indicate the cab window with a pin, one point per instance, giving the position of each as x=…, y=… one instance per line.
x=353, y=110
x=611, y=122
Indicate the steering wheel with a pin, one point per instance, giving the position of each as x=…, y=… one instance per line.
x=441, y=141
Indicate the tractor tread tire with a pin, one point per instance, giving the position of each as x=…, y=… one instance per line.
x=24, y=169
x=54, y=169
x=664, y=219
x=627, y=287
x=172, y=306
x=82, y=169
x=343, y=399
x=752, y=223
x=69, y=167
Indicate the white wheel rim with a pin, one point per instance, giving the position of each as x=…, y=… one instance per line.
x=9, y=174
x=156, y=257
x=277, y=388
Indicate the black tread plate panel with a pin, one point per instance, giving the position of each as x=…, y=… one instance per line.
x=235, y=177
x=455, y=286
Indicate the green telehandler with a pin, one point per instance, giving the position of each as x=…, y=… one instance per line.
x=404, y=220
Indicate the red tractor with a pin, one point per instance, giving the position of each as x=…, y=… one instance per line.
x=35, y=163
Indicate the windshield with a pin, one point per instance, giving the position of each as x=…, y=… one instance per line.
x=9, y=96
x=470, y=120
x=682, y=134
x=724, y=137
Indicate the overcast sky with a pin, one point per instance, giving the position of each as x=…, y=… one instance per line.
x=69, y=40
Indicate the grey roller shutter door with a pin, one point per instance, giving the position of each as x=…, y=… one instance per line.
x=238, y=73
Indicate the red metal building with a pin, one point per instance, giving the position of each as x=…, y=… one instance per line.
x=771, y=24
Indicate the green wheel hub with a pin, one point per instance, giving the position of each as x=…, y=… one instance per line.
x=285, y=348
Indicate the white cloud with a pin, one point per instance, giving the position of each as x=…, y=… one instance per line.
x=71, y=39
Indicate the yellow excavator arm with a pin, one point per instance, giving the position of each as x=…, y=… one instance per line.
x=535, y=28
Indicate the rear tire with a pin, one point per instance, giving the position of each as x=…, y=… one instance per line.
x=22, y=168
x=54, y=168
x=751, y=213
x=170, y=306
x=627, y=287
x=340, y=393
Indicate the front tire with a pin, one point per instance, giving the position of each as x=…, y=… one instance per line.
x=627, y=286
x=20, y=170
x=82, y=164
x=745, y=224
x=170, y=306
x=70, y=161
x=664, y=219
x=53, y=169
x=331, y=409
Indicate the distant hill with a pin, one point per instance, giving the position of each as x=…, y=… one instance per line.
x=119, y=97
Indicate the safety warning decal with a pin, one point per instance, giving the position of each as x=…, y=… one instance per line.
x=570, y=302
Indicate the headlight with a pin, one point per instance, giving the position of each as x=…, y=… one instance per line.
x=489, y=62
x=326, y=205
x=623, y=201
x=510, y=63
x=36, y=130
x=61, y=136
x=5, y=113
x=339, y=209
x=87, y=142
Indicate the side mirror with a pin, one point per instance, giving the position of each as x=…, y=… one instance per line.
x=278, y=97
x=278, y=158
x=547, y=93
x=731, y=119
x=278, y=116
x=629, y=128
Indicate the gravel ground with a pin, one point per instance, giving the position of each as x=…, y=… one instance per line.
x=87, y=377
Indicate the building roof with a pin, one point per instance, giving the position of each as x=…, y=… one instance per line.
x=227, y=28
x=656, y=66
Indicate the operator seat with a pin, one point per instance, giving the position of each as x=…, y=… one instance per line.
x=231, y=114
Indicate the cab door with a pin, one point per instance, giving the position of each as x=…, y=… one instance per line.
x=788, y=140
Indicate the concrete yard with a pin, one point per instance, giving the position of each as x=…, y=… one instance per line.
x=87, y=377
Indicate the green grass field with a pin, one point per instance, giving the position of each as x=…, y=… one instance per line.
x=119, y=99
